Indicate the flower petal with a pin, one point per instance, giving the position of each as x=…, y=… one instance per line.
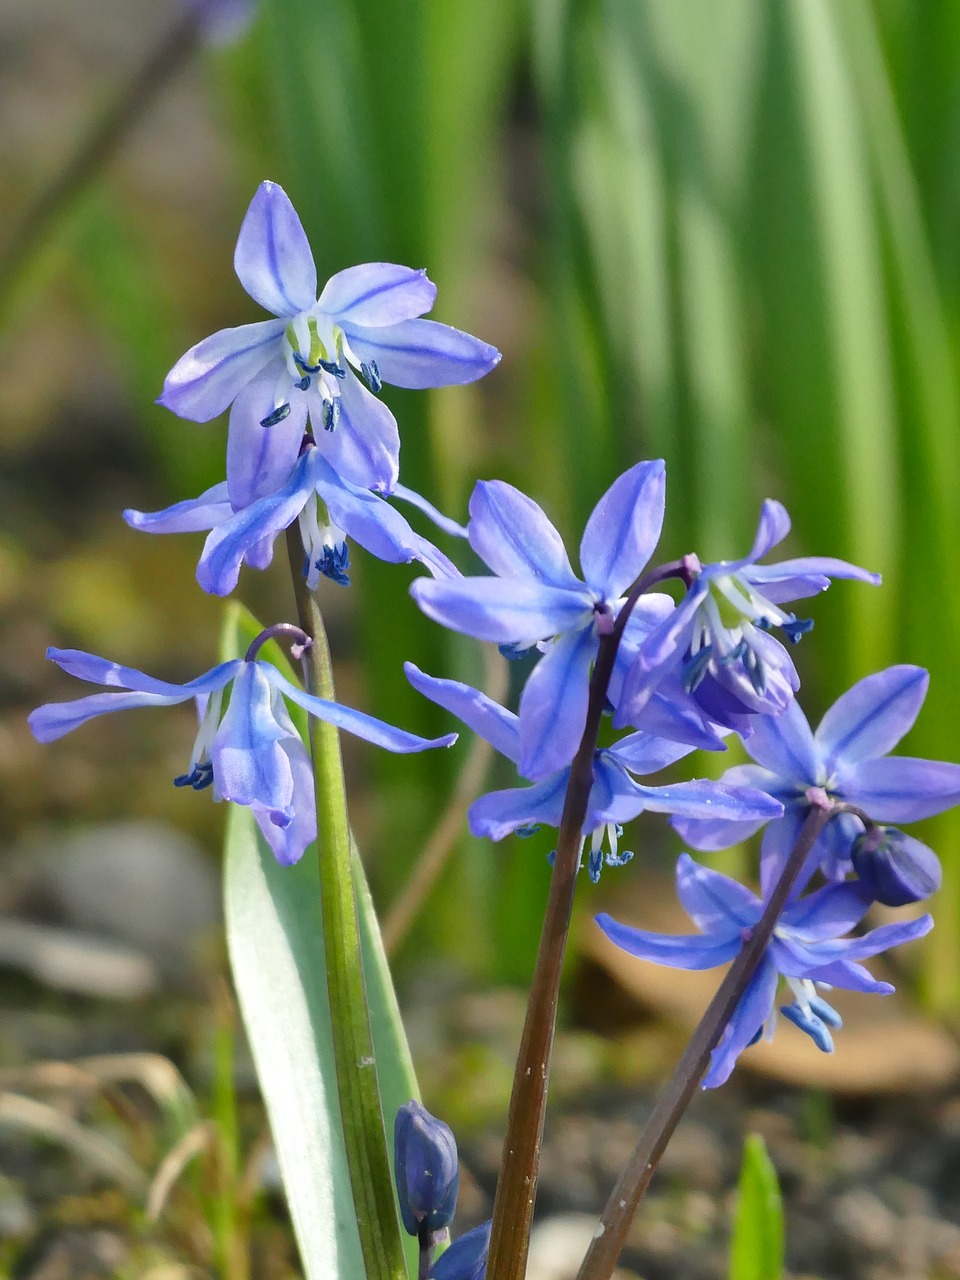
x=87, y=666
x=273, y=259
x=506, y=611
x=553, y=705
x=248, y=763
x=355, y=722
x=784, y=745
x=702, y=798
x=422, y=353
x=748, y=1018
x=289, y=842
x=367, y=518
x=364, y=447
x=644, y=753
x=485, y=717
x=804, y=576
x=772, y=527
x=417, y=500
x=871, y=717
x=828, y=912
x=205, y=380
x=710, y=834
x=499, y=813
x=260, y=459
x=679, y=951
x=901, y=788
x=511, y=534
x=377, y=293
x=624, y=529
x=716, y=904
x=195, y=514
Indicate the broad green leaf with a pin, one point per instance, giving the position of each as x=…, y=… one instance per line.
x=275, y=941
x=756, y=1244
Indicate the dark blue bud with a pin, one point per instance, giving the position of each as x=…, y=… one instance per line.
x=466, y=1259
x=894, y=868
x=282, y=411
x=426, y=1169
x=371, y=376
x=796, y=628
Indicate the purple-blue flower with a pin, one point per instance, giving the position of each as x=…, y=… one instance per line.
x=847, y=759
x=807, y=949
x=329, y=509
x=276, y=374
x=536, y=599
x=249, y=750
x=615, y=797
x=466, y=1259
x=426, y=1169
x=718, y=639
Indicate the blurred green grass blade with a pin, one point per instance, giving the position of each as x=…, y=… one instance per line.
x=275, y=941
x=756, y=1244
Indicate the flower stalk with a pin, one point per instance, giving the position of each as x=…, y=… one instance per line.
x=357, y=1085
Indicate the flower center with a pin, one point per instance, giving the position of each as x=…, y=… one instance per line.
x=325, y=546
x=200, y=774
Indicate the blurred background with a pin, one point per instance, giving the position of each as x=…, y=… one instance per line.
x=725, y=232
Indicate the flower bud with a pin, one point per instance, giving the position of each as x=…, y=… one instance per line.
x=466, y=1259
x=426, y=1169
x=894, y=868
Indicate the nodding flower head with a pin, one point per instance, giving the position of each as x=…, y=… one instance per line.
x=426, y=1168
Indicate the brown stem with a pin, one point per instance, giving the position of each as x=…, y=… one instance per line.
x=608, y=1241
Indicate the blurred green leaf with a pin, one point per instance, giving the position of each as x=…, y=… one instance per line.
x=756, y=1243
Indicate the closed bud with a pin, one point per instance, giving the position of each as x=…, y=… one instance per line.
x=466, y=1259
x=427, y=1172
x=893, y=868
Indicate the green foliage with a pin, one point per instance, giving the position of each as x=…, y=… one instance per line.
x=756, y=1243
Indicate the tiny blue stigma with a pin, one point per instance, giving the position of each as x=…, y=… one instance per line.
x=331, y=414
x=797, y=628
x=371, y=376
x=282, y=411
x=335, y=563
x=695, y=668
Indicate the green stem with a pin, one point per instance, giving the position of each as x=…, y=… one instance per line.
x=359, y=1094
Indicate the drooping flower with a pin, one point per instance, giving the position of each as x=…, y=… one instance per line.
x=807, y=949
x=847, y=759
x=275, y=374
x=248, y=751
x=718, y=639
x=466, y=1259
x=426, y=1169
x=329, y=510
x=615, y=797
x=536, y=600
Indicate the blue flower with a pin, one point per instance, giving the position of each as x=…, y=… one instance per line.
x=250, y=753
x=718, y=640
x=615, y=797
x=329, y=509
x=537, y=600
x=847, y=759
x=277, y=373
x=807, y=949
x=426, y=1168
x=466, y=1259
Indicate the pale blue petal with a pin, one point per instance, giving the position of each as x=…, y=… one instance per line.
x=678, y=951
x=439, y=519
x=364, y=447
x=355, y=722
x=485, y=717
x=422, y=353
x=772, y=528
x=614, y=796
x=851, y=977
x=248, y=763
x=54, y=719
x=260, y=459
x=624, y=529
x=716, y=904
x=511, y=534
x=811, y=570
x=273, y=260
x=499, y=813
x=671, y=713
x=289, y=841
x=377, y=293
x=644, y=753
x=798, y=960
x=671, y=639
x=195, y=514
x=778, y=843
x=828, y=912
x=871, y=718
x=748, y=1018
x=901, y=788
x=505, y=611
x=784, y=745
x=710, y=834
x=205, y=380
x=367, y=518
x=702, y=798
x=87, y=666
x=553, y=706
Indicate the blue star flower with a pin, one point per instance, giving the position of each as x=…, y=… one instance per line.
x=847, y=759
x=807, y=949
x=250, y=753
x=615, y=797
x=328, y=508
x=276, y=373
x=537, y=600
x=718, y=639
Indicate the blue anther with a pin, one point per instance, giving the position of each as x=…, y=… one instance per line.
x=764, y=623
x=527, y=830
x=304, y=383
x=335, y=563
x=200, y=777
x=694, y=668
x=595, y=865
x=302, y=365
x=619, y=859
x=552, y=857
x=809, y=1022
x=796, y=628
x=331, y=366
x=736, y=653
x=331, y=414
x=514, y=652
x=282, y=411
x=755, y=671
x=370, y=373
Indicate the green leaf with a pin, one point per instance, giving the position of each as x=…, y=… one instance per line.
x=756, y=1244
x=276, y=947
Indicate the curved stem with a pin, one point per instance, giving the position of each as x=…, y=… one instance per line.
x=609, y=1238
